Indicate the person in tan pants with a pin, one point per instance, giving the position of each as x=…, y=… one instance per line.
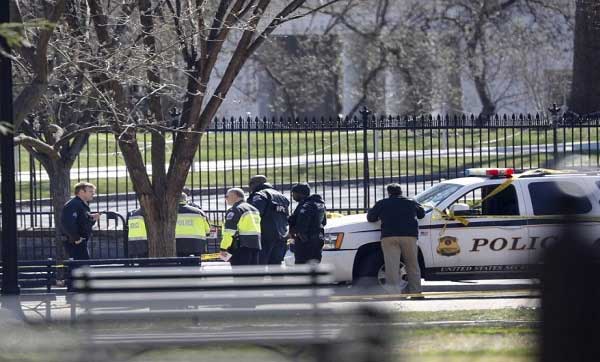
x=399, y=231
x=393, y=248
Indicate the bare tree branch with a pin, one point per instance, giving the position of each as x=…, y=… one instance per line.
x=37, y=146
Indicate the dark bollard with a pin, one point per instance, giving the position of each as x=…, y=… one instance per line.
x=571, y=299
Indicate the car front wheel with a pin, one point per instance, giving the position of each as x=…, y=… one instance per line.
x=371, y=271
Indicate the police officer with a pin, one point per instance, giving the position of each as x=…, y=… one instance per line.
x=188, y=192
x=399, y=232
x=241, y=234
x=190, y=231
x=306, y=224
x=137, y=237
x=77, y=221
x=274, y=212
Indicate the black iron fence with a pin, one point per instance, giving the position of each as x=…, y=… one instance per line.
x=348, y=161
x=36, y=234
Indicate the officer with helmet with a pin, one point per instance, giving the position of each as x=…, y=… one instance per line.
x=306, y=224
x=274, y=212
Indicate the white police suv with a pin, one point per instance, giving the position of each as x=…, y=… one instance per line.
x=491, y=224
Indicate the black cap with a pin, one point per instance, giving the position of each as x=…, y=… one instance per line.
x=302, y=188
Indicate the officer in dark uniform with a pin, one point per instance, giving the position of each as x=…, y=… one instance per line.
x=274, y=212
x=77, y=221
x=241, y=234
x=306, y=224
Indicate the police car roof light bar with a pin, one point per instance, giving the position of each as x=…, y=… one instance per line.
x=490, y=172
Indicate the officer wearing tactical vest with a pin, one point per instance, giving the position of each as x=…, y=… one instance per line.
x=241, y=233
x=274, y=212
x=190, y=231
x=306, y=224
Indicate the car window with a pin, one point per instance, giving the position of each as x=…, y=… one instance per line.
x=436, y=194
x=558, y=197
x=504, y=202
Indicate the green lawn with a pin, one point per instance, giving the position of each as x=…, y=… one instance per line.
x=396, y=170
x=102, y=150
x=392, y=170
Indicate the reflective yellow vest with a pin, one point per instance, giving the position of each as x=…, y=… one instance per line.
x=137, y=227
x=242, y=222
x=190, y=225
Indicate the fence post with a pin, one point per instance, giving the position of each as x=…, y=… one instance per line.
x=365, y=112
x=9, y=247
x=555, y=114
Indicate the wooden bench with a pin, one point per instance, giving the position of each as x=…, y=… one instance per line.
x=120, y=264
x=148, y=293
x=282, y=309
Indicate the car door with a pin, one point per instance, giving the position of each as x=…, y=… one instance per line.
x=494, y=239
x=546, y=199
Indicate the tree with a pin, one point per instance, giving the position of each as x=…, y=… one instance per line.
x=48, y=122
x=172, y=49
x=304, y=70
x=33, y=51
x=495, y=35
x=585, y=91
x=382, y=58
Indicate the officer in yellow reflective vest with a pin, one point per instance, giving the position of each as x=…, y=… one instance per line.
x=137, y=238
x=241, y=233
x=190, y=231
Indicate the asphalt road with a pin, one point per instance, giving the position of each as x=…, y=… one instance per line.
x=350, y=197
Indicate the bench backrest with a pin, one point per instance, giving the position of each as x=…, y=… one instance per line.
x=35, y=274
x=177, y=288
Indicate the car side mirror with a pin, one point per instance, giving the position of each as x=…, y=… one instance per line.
x=460, y=209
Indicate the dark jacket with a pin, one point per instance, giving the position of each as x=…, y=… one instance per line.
x=242, y=227
x=274, y=211
x=309, y=217
x=76, y=220
x=398, y=216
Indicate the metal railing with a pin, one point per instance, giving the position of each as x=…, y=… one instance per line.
x=346, y=160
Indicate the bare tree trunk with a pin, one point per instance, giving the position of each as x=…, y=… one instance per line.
x=488, y=107
x=60, y=192
x=585, y=91
x=479, y=71
x=159, y=203
x=160, y=216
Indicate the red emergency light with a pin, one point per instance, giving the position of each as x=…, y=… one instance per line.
x=490, y=172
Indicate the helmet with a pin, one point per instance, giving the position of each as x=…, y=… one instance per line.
x=302, y=188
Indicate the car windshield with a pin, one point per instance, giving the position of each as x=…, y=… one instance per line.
x=432, y=197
